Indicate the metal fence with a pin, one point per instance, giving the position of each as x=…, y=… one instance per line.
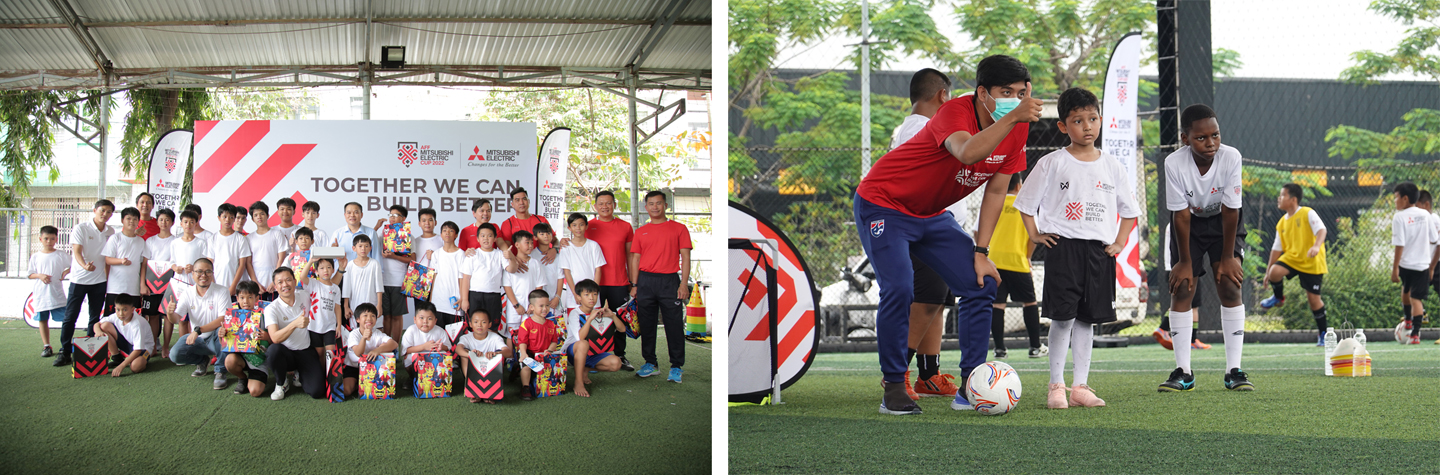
x=20, y=234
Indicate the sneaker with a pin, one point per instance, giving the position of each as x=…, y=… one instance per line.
x=62, y=360
x=1320, y=341
x=914, y=396
x=1001, y=353
x=625, y=364
x=1040, y=352
x=279, y=392
x=46, y=352
x=1055, y=399
x=1163, y=338
x=937, y=385
x=900, y=402
x=675, y=375
x=200, y=370
x=647, y=370
x=295, y=380
x=220, y=381
x=1199, y=345
x=1238, y=381
x=242, y=388
x=1414, y=339
x=1272, y=302
x=1179, y=381
x=525, y=394
x=960, y=403
x=115, y=361
x=1083, y=395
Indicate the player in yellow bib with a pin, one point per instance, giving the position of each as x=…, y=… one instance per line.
x=1299, y=251
x=1011, y=248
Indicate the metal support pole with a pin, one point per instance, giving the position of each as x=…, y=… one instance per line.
x=104, y=145
x=365, y=102
x=864, y=88
x=367, y=70
x=635, y=201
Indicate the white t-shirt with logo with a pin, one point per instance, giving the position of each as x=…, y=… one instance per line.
x=1204, y=194
x=93, y=240
x=137, y=332
x=448, y=267
x=52, y=295
x=202, y=309
x=486, y=271
x=491, y=342
x=266, y=249
x=361, y=283
x=1077, y=199
x=1411, y=228
x=323, y=298
x=422, y=244
x=160, y=248
x=125, y=279
x=413, y=336
x=552, y=271
x=522, y=283
x=227, y=252
x=582, y=262
x=280, y=315
x=186, y=253
x=351, y=339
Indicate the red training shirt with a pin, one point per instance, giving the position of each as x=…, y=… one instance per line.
x=612, y=238
x=149, y=227
x=920, y=178
x=512, y=224
x=659, y=245
x=469, y=238
x=536, y=337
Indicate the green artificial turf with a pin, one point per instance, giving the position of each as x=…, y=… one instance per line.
x=165, y=421
x=1296, y=421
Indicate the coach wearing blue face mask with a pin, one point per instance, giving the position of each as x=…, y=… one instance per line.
x=975, y=140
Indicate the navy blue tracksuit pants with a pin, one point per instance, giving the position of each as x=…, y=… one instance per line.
x=890, y=237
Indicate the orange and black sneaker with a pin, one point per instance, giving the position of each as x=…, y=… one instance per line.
x=937, y=385
x=1163, y=338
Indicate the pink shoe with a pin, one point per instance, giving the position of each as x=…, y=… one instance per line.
x=1081, y=395
x=1056, y=398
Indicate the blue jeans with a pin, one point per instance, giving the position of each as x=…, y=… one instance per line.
x=889, y=238
x=198, y=353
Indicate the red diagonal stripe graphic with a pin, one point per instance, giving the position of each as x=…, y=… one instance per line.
x=202, y=127
x=273, y=170
x=787, y=295
x=796, y=334
x=229, y=154
x=754, y=290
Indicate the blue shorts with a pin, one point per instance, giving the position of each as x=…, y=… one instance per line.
x=56, y=315
x=590, y=361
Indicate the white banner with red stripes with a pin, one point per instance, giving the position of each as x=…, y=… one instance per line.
x=1120, y=139
x=444, y=165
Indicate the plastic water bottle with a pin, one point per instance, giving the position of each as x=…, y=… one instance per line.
x=535, y=366
x=1360, y=336
x=1331, y=341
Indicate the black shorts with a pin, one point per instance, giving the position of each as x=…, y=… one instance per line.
x=393, y=303
x=321, y=340
x=255, y=375
x=1015, y=286
x=1415, y=282
x=350, y=372
x=929, y=287
x=1079, y=282
x=1205, y=241
x=490, y=301
x=150, y=305
x=1310, y=282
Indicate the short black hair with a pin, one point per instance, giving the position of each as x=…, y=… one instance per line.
x=282, y=270
x=1194, y=113
x=304, y=231
x=225, y=208
x=404, y=213
x=421, y=305
x=587, y=285
x=365, y=308
x=475, y=205
x=357, y=206
x=206, y=260
x=248, y=287
x=128, y=212
x=514, y=238
x=188, y=213
x=485, y=226
x=1015, y=182
x=479, y=311
x=926, y=82
x=165, y=212
x=605, y=193
x=1000, y=70
x=659, y=193
x=359, y=238
x=542, y=228
x=1075, y=99
x=1408, y=190
x=425, y=211
x=517, y=191
x=259, y=205
x=574, y=216
x=48, y=229
x=145, y=193
x=127, y=300
x=1295, y=191
x=100, y=203
x=538, y=294
x=310, y=206
x=1425, y=197
x=450, y=225
x=286, y=201
x=324, y=260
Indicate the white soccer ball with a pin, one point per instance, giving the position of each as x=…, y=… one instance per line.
x=1402, y=334
x=993, y=388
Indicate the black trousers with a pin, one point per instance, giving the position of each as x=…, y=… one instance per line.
x=612, y=297
x=490, y=301
x=95, y=293
x=655, y=301
x=281, y=359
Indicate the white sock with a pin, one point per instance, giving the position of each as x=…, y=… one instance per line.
x=1181, y=326
x=1232, y=321
x=1059, y=341
x=1081, y=342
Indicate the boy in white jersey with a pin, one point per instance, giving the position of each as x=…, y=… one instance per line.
x=324, y=306
x=580, y=259
x=483, y=278
x=188, y=247
x=480, y=339
x=158, y=247
x=125, y=254
x=311, y=212
x=285, y=210
x=393, y=305
x=1079, y=204
x=544, y=243
x=268, y=248
x=448, y=262
x=1414, y=239
x=425, y=246
x=49, y=268
x=366, y=342
x=422, y=337
x=578, y=325
x=519, y=282
x=230, y=250
x=87, y=282
x=1203, y=193
x=130, y=339
x=361, y=282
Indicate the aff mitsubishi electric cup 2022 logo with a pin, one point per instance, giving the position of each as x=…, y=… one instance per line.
x=414, y=153
x=503, y=158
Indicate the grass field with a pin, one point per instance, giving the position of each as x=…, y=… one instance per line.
x=1297, y=421
x=165, y=421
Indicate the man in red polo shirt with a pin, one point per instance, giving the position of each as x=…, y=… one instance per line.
x=522, y=221
x=660, y=268
x=481, y=210
x=614, y=236
x=145, y=202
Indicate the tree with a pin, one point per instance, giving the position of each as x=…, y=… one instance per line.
x=1418, y=54
x=26, y=141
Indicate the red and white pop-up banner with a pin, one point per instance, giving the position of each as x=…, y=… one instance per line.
x=442, y=165
x=1122, y=91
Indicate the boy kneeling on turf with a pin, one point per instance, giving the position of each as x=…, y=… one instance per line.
x=480, y=339
x=130, y=337
x=1078, y=202
x=365, y=341
x=250, y=367
x=578, y=325
x=537, y=335
x=422, y=337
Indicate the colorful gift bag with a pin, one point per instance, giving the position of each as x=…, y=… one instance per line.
x=602, y=335
x=397, y=238
x=377, y=378
x=551, y=380
x=629, y=317
x=89, y=356
x=335, y=374
x=432, y=375
x=241, y=329
x=418, y=282
x=299, y=264
x=485, y=376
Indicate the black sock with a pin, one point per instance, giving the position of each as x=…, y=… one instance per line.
x=909, y=357
x=997, y=327
x=1165, y=323
x=1032, y=324
x=1407, y=313
x=1415, y=321
x=1279, y=288
x=1320, y=319
x=929, y=366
